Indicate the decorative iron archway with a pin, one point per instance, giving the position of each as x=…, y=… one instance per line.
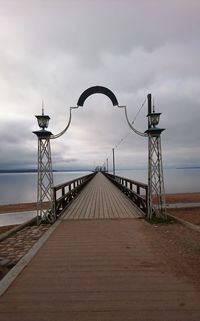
x=45, y=183
x=97, y=90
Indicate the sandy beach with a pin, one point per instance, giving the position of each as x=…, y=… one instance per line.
x=21, y=207
x=183, y=198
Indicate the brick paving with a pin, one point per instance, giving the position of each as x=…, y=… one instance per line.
x=13, y=248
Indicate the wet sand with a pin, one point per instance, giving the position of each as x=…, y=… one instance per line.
x=183, y=198
x=21, y=207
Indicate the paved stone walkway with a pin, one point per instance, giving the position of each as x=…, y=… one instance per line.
x=13, y=248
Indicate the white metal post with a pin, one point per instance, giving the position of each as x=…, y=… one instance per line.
x=156, y=192
x=45, y=179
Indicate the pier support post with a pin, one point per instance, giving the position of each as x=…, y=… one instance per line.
x=156, y=192
x=45, y=211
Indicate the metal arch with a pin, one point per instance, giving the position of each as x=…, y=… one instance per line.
x=97, y=90
x=103, y=90
x=65, y=129
x=130, y=125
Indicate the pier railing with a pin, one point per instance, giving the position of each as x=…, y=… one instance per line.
x=64, y=193
x=136, y=191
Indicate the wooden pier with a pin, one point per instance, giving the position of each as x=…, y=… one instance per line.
x=98, y=265
x=101, y=200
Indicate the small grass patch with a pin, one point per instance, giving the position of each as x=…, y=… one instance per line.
x=160, y=220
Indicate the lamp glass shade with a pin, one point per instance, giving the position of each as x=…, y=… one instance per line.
x=43, y=121
x=154, y=119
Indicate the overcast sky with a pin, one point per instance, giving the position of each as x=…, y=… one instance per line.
x=53, y=50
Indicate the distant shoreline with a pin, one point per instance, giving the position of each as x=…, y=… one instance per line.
x=35, y=171
x=16, y=171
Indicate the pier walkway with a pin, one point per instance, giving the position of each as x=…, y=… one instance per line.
x=100, y=199
x=98, y=265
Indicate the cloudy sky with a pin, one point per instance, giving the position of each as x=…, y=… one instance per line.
x=53, y=50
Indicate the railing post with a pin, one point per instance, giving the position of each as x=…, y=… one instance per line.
x=113, y=150
x=138, y=193
x=54, y=203
x=63, y=194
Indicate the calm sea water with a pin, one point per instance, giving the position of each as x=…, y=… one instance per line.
x=22, y=187
x=175, y=180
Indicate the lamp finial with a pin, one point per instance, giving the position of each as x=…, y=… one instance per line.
x=153, y=106
x=42, y=107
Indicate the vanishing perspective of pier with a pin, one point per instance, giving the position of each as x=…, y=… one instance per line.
x=96, y=261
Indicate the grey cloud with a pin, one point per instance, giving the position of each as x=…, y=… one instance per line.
x=55, y=50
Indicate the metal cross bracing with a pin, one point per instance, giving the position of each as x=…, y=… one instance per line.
x=156, y=192
x=45, y=181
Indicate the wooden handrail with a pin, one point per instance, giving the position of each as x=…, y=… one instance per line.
x=127, y=186
x=68, y=192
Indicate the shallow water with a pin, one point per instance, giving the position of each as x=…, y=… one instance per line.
x=16, y=218
x=22, y=187
x=176, y=180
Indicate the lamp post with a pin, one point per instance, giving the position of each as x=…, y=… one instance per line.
x=45, y=175
x=156, y=192
x=45, y=206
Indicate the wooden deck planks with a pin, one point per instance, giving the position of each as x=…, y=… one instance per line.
x=99, y=270
x=100, y=199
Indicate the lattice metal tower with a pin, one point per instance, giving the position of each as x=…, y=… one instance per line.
x=156, y=192
x=45, y=175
